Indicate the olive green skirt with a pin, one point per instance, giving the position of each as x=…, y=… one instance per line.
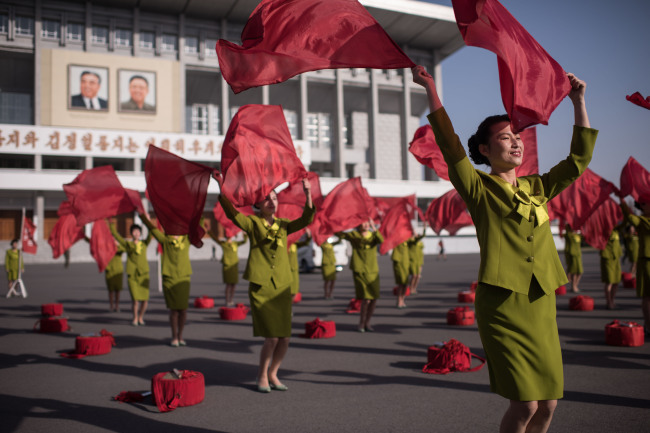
x=632, y=254
x=610, y=271
x=295, y=283
x=574, y=264
x=401, y=272
x=114, y=283
x=521, y=342
x=139, y=287
x=415, y=268
x=177, y=293
x=329, y=272
x=231, y=274
x=271, y=310
x=365, y=286
x=643, y=277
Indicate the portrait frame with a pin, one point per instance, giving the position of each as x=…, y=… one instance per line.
x=75, y=97
x=126, y=101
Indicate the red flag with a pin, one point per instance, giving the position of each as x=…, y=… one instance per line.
x=635, y=180
x=600, y=224
x=64, y=234
x=97, y=194
x=258, y=154
x=637, y=99
x=177, y=189
x=448, y=212
x=426, y=151
x=285, y=38
x=28, y=235
x=530, y=163
x=532, y=83
x=102, y=244
x=343, y=208
x=295, y=195
x=230, y=229
x=576, y=203
x=373, y=212
x=396, y=226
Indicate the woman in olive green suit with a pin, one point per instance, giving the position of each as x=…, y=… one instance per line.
x=632, y=247
x=365, y=270
x=416, y=259
x=610, y=268
x=176, y=276
x=114, y=275
x=573, y=257
x=269, y=274
x=520, y=268
x=642, y=224
x=137, y=269
x=328, y=267
x=401, y=267
x=293, y=262
x=230, y=262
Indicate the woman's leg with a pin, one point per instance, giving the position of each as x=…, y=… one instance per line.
x=543, y=416
x=517, y=417
x=415, y=281
x=401, y=295
x=608, y=295
x=173, y=322
x=363, y=313
x=117, y=301
x=110, y=301
x=266, y=355
x=370, y=309
x=141, y=311
x=576, y=282
x=645, y=306
x=278, y=355
x=134, y=307
x=612, y=294
x=182, y=317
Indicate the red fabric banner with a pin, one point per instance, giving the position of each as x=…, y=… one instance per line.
x=177, y=189
x=28, y=236
x=575, y=204
x=64, y=234
x=426, y=151
x=635, y=181
x=294, y=194
x=532, y=83
x=344, y=207
x=98, y=194
x=396, y=226
x=285, y=38
x=637, y=99
x=258, y=155
x=601, y=222
x=530, y=162
x=102, y=244
x=448, y=212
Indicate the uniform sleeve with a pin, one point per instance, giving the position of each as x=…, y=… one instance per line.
x=629, y=216
x=120, y=240
x=241, y=221
x=148, y=239
x=305, y=219
x=160, y=237
x=378, y=239
x=242, y=242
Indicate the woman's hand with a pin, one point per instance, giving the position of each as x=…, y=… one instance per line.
x=577, y=96
x=306, y=187
x=424, y=79
x=372, y=225
x=216, y=175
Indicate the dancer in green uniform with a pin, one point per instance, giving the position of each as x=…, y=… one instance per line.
x=520, y=268
x=230, y=262
x=416, y=260
x=114, y=274
x=12, y=258
x=137, y=270
x=632, y=247
x=642, y=224
x=269, y=274
x=176, y=276
x=401, y=266
x=610, y=268
x=328, y=267
x=293, y=262
x=573, y=257
x=365, y=270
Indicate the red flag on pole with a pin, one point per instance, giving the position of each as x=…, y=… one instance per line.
x=635, y=180
x=426, y=151
x=396, y=226
x=285, y=38
x=532, y=83
x=258, y=154
x=530, y=163
x=102, y=244
x=28, y=236
x=637, y=99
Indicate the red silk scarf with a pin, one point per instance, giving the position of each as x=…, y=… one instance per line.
x=396, y=226
x=426, y=151
x=102, y=244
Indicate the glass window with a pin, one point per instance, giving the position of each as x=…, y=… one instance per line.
x=123, y=37
x=50, y=29
x=24, y=26
x=210, y=47
x=75, y=32
x=169, y=42
x=191, y=44
x=347, y=131
x=4, y=23
x=292, y=122
x=216, y=120
x=318, y=129
x=199, y=119
x=100, y=35
x=147, y=39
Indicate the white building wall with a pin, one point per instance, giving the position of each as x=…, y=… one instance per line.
x=389, y=159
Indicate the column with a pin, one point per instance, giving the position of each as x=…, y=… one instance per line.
x=265, y=95
x=88, y=39
x=303, y=107
x=437, y=73
x=225, y=90
x=405, y=114
x=373, y=115
x=39, y=215
x=338, y=164
x=37, y=61
x=182, y=127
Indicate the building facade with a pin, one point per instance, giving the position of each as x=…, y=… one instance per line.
x=90, y=83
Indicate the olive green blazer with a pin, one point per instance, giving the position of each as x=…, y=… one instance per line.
x=572, y=244
x=514, y=248
x=401, y=253
x=268, y=258
x=329, y=257
x=136, y=263
x=612, y=250
x=176, y=253
x=11, y=261
x=230, y=256
x=364, y=252
x=115, y=266
x=416, y=249
x=642, y=225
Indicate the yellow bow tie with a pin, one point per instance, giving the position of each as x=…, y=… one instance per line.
x=528, y=204
x=178, y=243
x=576, y=238
x=293, y=248
x=613, y=236
x=138, y=247
x=272, y=232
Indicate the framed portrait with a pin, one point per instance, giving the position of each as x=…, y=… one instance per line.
x=87, y=88
x=137, y=91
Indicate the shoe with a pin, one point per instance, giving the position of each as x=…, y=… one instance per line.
x=134, y=323
x=370, y=329
x=361, y=330
x=279, y=387
x=182, y=343
x=141, y=323
x=263, y=389
x=174, y=344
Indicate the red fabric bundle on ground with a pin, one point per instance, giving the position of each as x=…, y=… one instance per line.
x=629, y=280
x=461, y=316
x=129, y=397
x=448, y=212
x=635, y=180
x=51, y=310
x=581, y=303
x=637, y=99
x=621, y=333
x=258, y=155
x=396, y=226
x=532, y=83
x=425, y=149
x=473, y=286
x=560, y=291
x=466, y=297
x=453, y=356
x=90, y=345
x=64, y=234
x=354, y=306
x=102, y=244
x=52, y=324
x=598, y=227
x=237, y=312
x=177, y=189
x=320, y=329
x=170, y=392
x=204, y=302
x=285, y=38
x=530, y=162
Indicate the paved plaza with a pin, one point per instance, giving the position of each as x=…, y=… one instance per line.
x=370, y=382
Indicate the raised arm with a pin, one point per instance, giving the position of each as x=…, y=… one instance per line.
x=148, y=238
x=153, y=230
x=628, y=215
x=577, y=96
x=307, y=214
x=233, y=214
x=120, y=240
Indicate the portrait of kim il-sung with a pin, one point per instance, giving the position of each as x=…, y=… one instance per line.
x=87, y=88
x=137, y=91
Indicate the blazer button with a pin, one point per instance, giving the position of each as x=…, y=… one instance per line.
x=273, y=256
x=272, y=266
x=530, y=259
x=529, y=238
